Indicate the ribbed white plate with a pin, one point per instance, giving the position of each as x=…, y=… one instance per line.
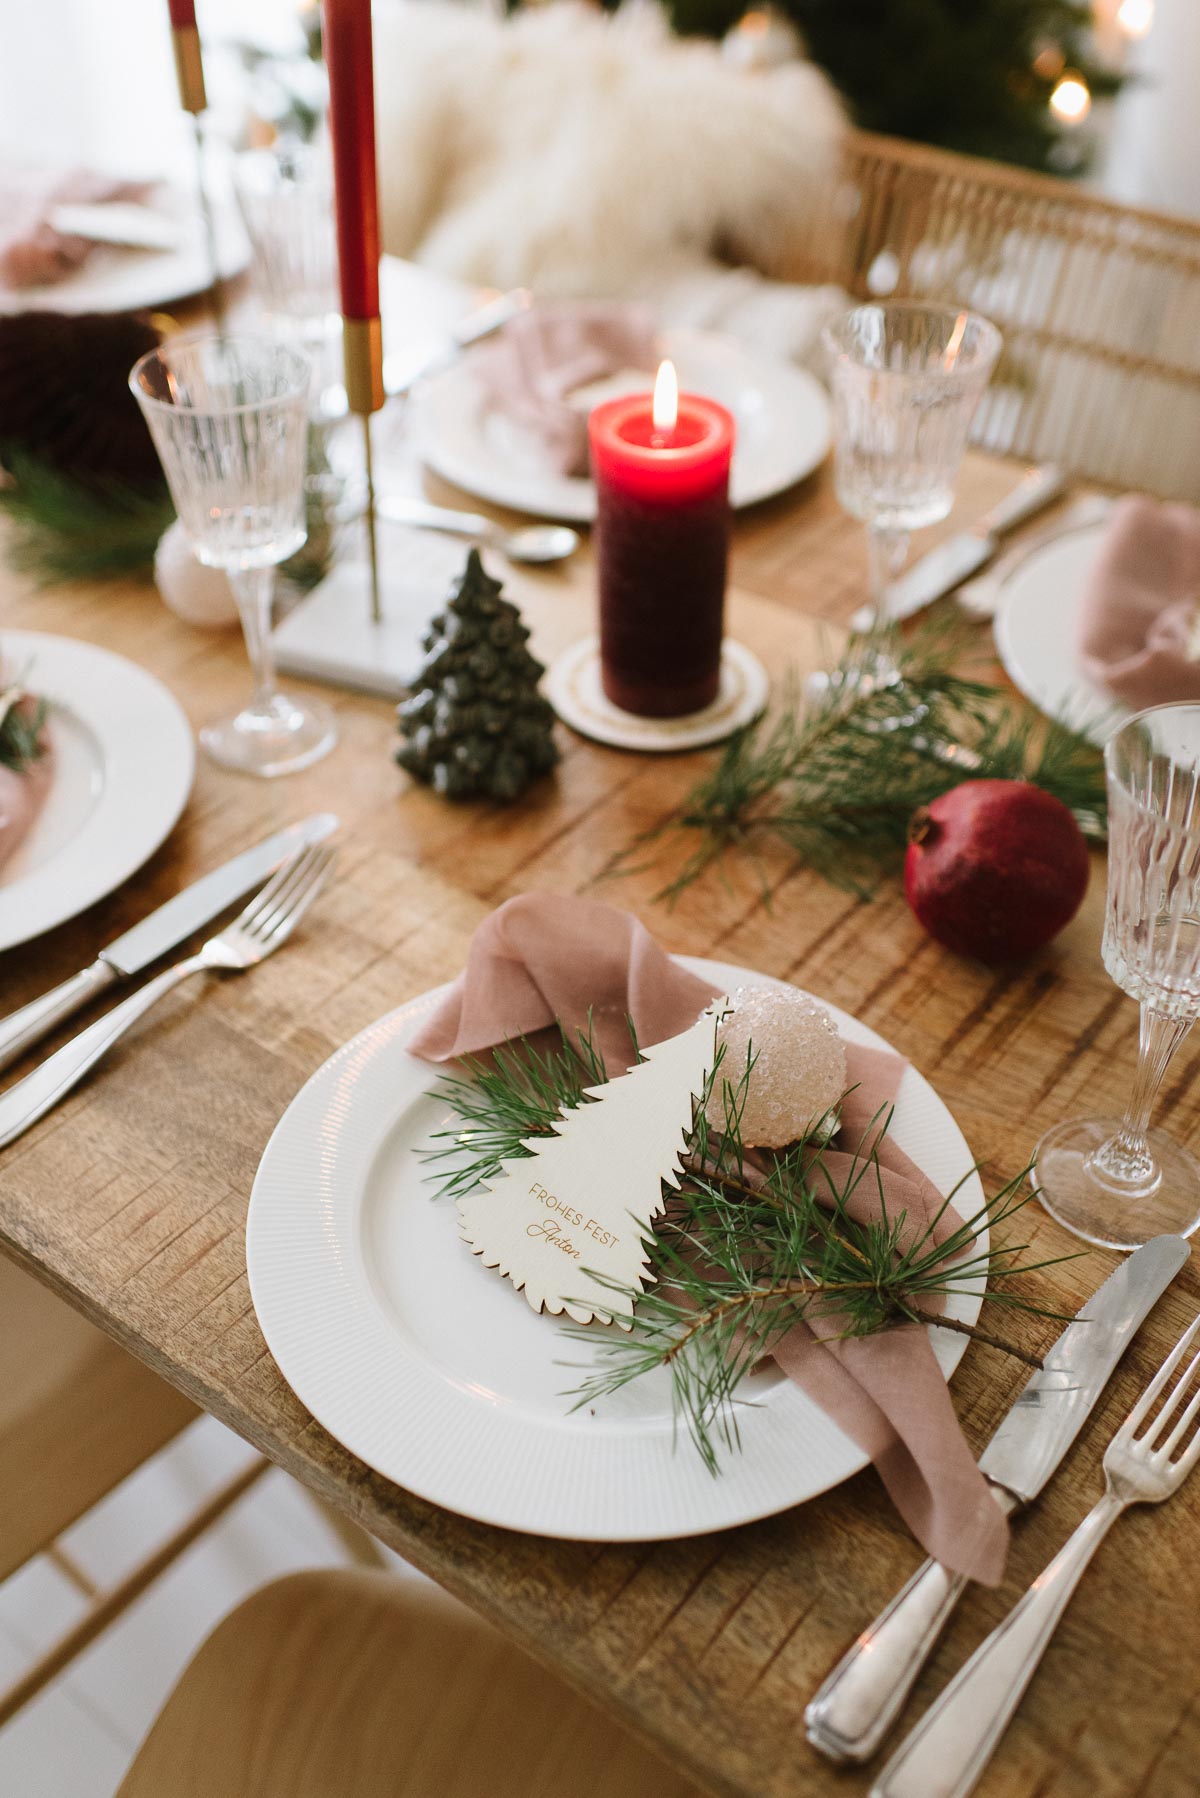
x=124, y=759
x=435, y=1371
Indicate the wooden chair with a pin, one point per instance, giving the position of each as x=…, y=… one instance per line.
x=367, y=1686
x=1099, y=303
x=77, y=1416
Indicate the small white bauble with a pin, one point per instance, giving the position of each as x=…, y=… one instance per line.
x=195, y=592
x=799, y=1068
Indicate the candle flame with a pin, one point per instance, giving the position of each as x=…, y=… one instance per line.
x=665, y=410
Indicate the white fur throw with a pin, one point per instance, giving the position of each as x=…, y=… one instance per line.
x=583, y=155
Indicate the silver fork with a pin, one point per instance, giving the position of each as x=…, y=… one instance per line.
x=266, y=923
x=952, y=1744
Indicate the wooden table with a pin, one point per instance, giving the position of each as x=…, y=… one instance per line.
x=130, y=1200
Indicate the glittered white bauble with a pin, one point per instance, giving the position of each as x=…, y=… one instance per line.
x=195, y=592
x=799, y=1064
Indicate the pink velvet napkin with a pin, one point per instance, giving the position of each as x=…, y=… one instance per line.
x=21, y=799
x=529, y=369
x=1140, y=604
x=545, y=958
x=33, y=253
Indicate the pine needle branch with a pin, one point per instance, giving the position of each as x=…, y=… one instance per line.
x=834, y=777
x=747, y=1247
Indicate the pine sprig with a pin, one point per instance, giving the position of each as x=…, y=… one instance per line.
x=835, y=776
x=65, y=529
x=746, y=1248
x=21, y=735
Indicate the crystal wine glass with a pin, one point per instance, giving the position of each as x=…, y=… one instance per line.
x=1113, y=1181
x=229, y=418
x=906, y=379
x=285, y=196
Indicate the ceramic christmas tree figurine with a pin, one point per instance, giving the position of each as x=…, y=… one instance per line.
x=475, y=725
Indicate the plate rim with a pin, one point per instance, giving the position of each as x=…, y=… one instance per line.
x=94, y=867
x=289, y=1283
x=582, y=510
x=1016, y=666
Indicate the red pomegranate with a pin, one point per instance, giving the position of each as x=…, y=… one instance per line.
x=995, y=868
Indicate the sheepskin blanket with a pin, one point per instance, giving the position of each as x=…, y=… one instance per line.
x=585, y=155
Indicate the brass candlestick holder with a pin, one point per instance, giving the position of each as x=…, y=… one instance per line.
x=362, y=348
x=189, y=72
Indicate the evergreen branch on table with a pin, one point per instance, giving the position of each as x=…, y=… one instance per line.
x=21, y=735
x=834, y=776
x=64, y=529
x=748, y=1245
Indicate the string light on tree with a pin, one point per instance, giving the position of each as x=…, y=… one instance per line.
x=1071, y=99
x=1135, y=17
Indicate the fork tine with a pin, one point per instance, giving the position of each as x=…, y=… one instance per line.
x=1168, y=1411
x=279, y=931
x=1138, y=1415
x=265, y=894
x=296, y=873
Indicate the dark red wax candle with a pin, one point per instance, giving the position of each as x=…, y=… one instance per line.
x=350, y=62
x=183, y=14
x=662, y=548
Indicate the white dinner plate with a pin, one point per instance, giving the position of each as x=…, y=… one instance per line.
x=782, y=414
x=123, y=765
x=435, y=1371
x=1037, y=632
x=118, y=279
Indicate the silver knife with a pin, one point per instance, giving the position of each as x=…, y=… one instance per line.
x=856, y=1706
x=401, y=373
x=153, y=936
x=950, y=563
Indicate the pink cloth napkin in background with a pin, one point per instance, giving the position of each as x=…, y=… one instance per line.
x=545, y=958
x=1140, y=604
x=32, y=252
x=532, y=366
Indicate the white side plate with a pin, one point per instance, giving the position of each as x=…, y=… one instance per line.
x=1037, y=631
x=436, y=1372
x=124, y=761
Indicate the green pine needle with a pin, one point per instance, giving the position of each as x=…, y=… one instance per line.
x=745, y=1250
x=20, y=736
x=835, y=777
x=62, y=529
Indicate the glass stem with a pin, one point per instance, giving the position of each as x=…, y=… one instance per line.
x=886, y=550
x=253, y=588
x=1126, y=1159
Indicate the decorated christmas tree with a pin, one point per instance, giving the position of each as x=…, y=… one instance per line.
x=973, y=75
x=475, y=724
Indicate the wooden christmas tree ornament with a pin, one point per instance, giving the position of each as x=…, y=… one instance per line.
x=580, y=1205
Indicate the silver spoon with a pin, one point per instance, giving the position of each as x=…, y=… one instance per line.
x=533, y=543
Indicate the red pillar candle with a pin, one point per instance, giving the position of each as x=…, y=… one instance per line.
x=662, y=481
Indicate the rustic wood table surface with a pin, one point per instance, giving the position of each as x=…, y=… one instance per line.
x=130, y=1199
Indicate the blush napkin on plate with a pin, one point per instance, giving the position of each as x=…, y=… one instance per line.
x=546, y=958
x=1138, y=626
x=22, y=792
x=532, y=366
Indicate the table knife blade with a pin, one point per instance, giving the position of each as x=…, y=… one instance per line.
x=1052, y=1407
x=859, y=1701
x=152, y=936
x=949, y=564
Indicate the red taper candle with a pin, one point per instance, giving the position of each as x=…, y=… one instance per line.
x=189, y=68
x=350, y=62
